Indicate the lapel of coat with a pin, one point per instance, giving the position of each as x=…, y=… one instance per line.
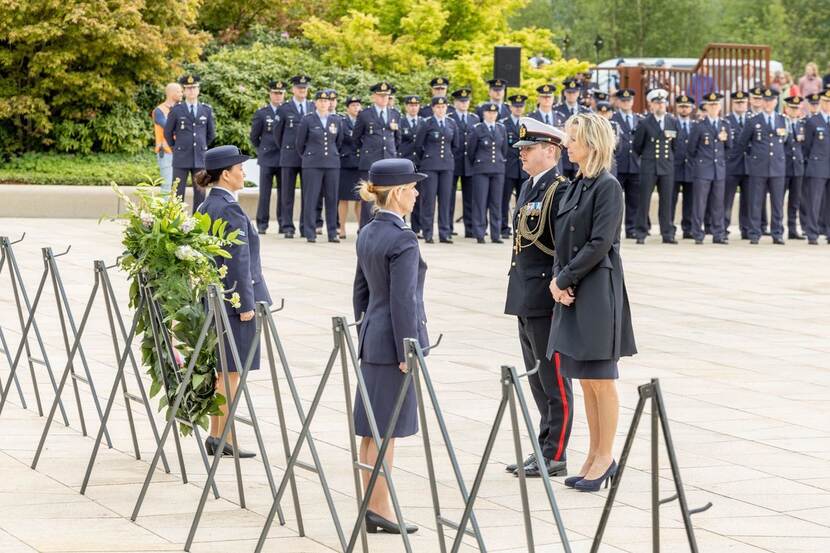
x=572, y=199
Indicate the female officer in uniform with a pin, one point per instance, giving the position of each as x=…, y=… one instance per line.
x=224, y=175
x=591, y=327
x=388, y=294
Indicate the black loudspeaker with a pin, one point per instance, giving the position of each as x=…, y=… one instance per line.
x=507, y=64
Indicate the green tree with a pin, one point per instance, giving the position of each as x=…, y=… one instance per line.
x=78, y=61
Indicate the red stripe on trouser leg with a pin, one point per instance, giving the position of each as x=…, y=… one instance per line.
x=565, y=407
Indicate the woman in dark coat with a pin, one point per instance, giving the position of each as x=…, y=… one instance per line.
x=591, y=326
x=388, y=293
x=224, y=175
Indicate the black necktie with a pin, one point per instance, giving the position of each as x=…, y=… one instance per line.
x=412, y=123
x=629, y=121
x=193, y=110
x=464, y=118
x=383, y=116
x=491, y=128
x=441, y=124
x=547, y=119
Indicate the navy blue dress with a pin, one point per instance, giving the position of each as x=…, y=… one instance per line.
x=389, y=292
x=244, y=269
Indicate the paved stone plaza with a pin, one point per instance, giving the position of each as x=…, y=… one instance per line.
x=739, y=337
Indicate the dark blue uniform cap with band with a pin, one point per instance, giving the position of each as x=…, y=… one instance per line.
x=222, y=157
x=190, y=79
x=412, y=99
x=352, y=100
x=394, y=172
x=301, y=80
x=439, y=101
x=626, y=94
x=276, y=86
x=517, y=100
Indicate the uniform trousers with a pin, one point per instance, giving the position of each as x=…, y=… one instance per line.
x=688, y=190
x=760, y=187
x=486, y=200
x=267, y=175
x=664, y=185
x=814, y=194
x=319, y=182
x=551, y=391
x=466, y=203
x=511, y=187
x=437, y=185
x=630, y=183
x=733, y=182
x=288, y=183
x=180, y=175
x=793, y=187
x=707, y=193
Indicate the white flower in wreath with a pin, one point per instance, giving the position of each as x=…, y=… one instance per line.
x=236, y=301
x=188, y=225
x=185, y=253
x=147, y=219
x=223, y=271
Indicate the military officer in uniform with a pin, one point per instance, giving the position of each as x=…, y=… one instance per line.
x=496, y=91
x=736, y=167
x=763, y=140
x=817, y=173
x=487, y=157
x=545, y=113
x=604, y=110
x=291, y=114
x=708, y=142
x=528, y=294
x=189, y=130
x=465, y=121
x=319, y=138
x=626, y=161
x=655, y=141
x=567, y=109
x=409, y=128
x=756, y=100
x=514, y=175
x=267, y=153
x=683, y=172
x=439, y=87
x=377, y=134
x=813, y=101
x=435, y=143
x=349, y=158
x=795, y=165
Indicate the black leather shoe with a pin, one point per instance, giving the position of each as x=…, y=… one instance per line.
x=505, y=235
x=687, y=236
x=212, y=443
x=480, y=240
x=778, y=241
x=375, y=522
x=319, y=232
x=669, y=241
x=497, y=241
x=312, y=240
x=334, y=240
x=641, y=240
x=554, y=468
x=446, y=240
x=698, y=242
x=528, y=460
x=796, y=236
x=721, y=241
x=744, y=236
x=453, y=233
x=753, y=241
x=812, y=241
x=430, y=241
x=289, y=235
x=260, y=231
x=467, y=235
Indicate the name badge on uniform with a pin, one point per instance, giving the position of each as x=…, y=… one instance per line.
x=182, y=126
x=333, y=128
x=670, y=134
x=371, y=129
x=436, y=135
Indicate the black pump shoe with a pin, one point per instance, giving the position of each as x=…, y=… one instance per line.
x=211, y=444
x=375, y=522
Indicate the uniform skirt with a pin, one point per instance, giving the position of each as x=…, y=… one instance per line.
x=348, y=182
x=244, y=334
x=383, y=384
x=603, y=369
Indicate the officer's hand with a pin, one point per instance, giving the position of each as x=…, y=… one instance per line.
x=402, y=366
x=246, y=316
x=568, y=298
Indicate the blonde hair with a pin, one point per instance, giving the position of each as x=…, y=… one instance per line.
x=379, y=195
x=811, y=68
x=598, y=136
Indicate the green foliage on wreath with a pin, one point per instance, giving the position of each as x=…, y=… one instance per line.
x=173, y=253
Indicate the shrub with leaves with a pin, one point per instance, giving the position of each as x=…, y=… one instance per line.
x=173, y=253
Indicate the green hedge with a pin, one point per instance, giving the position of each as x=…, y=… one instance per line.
x=95, y=169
